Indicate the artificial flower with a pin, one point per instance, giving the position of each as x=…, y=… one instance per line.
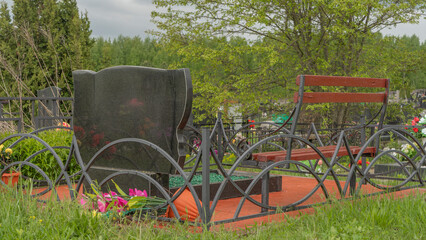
x=8, y=151
x=63, y=124
x=120, y=203
x=83, y=201
x=102, y=206
x=137, y=193
x=360, y=162
x=112, y=201
x=107, y=196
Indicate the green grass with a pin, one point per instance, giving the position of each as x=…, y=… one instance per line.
x=370, y=218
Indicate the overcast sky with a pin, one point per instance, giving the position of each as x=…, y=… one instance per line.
x=110, y=18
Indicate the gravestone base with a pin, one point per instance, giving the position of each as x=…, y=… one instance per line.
x=395, y=169
x=127, y=181
x=275, y=185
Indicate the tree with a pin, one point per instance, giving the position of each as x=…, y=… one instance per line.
x=42, y=44
x=129, y=51
x=325, y=37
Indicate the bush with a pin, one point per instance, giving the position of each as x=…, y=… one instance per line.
x=397, y=113
x=45, y=160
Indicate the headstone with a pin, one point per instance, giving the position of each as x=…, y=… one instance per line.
x=132, y=102
x=47, y=108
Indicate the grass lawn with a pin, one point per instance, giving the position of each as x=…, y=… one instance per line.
x=370, y=218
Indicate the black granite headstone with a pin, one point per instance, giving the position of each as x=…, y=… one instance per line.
x=131, y=102
x=47, y=108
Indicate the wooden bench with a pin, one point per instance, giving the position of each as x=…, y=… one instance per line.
x=302, y=97
x=265, y=158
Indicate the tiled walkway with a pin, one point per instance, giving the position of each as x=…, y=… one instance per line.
x=294, y=188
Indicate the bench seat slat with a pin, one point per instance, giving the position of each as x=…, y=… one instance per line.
x=310, y=154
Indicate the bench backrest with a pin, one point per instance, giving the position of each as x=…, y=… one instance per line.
x=303, y=81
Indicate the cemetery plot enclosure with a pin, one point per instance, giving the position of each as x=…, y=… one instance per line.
x=122, y=132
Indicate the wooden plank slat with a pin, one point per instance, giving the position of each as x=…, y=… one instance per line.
x=313, y=155
x=314, y=80
x=331, y=97
x=310, y=154
x=265, y=156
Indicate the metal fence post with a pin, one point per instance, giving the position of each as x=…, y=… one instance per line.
x=363, y=139
x=205, y=160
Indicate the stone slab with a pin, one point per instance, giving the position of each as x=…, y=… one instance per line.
x=396, y=168
x=275, y=185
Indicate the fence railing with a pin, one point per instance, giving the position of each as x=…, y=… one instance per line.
x=35, y=112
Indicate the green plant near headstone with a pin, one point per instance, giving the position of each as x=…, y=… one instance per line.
x=45, y=160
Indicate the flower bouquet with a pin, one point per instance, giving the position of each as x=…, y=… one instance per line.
x=122, y=203
x=409, y=150
x=418, y=129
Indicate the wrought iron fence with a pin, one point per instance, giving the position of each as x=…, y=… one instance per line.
x=347, y=180
x=43, y=111
x=388, y=170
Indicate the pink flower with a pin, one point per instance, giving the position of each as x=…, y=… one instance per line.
x=413, y=123
x=137, y=193
x=83, y=201
x=120, y=202
x=102, y=206
x=109, y=195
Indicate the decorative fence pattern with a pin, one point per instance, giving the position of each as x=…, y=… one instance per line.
x=44, y=111
x=389, y=170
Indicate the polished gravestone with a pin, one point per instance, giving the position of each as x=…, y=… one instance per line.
x=131, y=102
x=47, y=108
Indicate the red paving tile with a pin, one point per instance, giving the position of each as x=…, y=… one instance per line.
x=294, y=189
x=62, y=191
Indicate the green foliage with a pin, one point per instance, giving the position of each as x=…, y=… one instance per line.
x=41, y=45
x=286, y=39
x=44, y=160
x=367, y=218
x=401, y=113
x=399, y=58
x=25, y=218
x=129, y=51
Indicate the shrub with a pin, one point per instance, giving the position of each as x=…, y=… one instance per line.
x=59, y=140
